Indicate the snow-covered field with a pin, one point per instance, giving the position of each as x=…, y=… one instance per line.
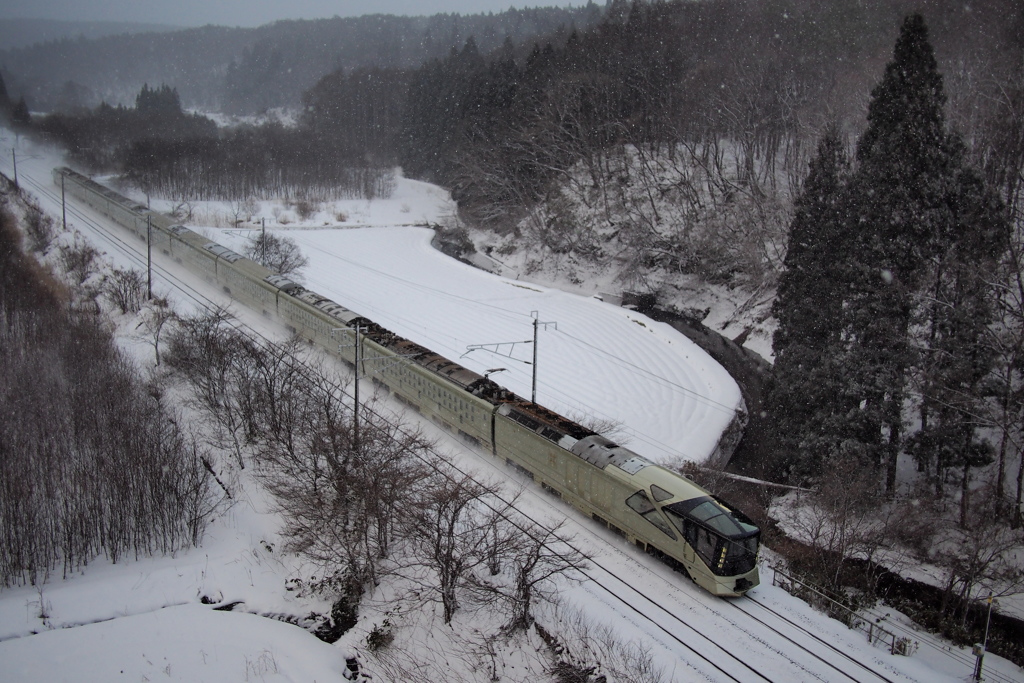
x=597, y=361
x=669, y=400
x=145, y=620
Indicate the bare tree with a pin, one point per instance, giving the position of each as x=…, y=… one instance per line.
x=243, y=209
x=280, y=254
x=847, y=517
x=206, y=349
x=79, y=261
x=156, y=316
x=126, y=289
x=979, y=555
x=131, y=483
x=450, y=523
x=340, y=498
x=532, y=559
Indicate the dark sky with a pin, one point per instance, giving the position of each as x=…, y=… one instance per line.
x=249, y=12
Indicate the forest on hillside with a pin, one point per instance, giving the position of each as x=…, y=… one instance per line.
x=247, y=71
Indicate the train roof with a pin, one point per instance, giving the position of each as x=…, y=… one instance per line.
x=223, y=252
x=545, y=422
x=601, y=452
x=283, y=283
x=103, y=190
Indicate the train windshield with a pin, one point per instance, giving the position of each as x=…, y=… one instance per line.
x=724, y=538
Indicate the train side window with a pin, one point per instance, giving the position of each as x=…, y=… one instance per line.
x=661, y=494
x=685, y=526
x=640, y=503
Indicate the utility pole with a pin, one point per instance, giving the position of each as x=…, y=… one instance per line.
x=14, y=158
x=536, y=324
x=533, y=397
x=979, y=648
x=355, y=407
x=63, y=205
x=359, y=361
x=263, y=241
x=149, y=256
x=496, y=348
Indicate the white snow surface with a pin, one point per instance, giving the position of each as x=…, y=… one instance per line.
x=672, y=400
x=144, y=619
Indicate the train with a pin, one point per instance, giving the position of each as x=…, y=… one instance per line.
x=661, y=512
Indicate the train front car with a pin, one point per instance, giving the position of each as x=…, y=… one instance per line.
x=654, y=508
x=714, y=543
x=724, y=541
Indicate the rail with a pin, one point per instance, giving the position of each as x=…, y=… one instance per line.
x=816, y=597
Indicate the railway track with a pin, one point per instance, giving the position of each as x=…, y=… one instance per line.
x=652, y=598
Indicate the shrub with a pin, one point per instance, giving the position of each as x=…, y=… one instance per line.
x=78, y=261
x=126, y=289
x=39, y=228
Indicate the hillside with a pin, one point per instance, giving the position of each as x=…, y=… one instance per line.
x=224, y=69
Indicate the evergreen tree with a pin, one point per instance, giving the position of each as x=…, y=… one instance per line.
x=20, y=115
x=924, y=230
x=5, y=99
x=162, y=101
x=954, y=326
x=801, y=400
x=897, y=226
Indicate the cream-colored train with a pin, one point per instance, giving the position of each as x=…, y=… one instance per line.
x=659, y=511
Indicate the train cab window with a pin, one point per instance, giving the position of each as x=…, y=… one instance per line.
x=661, y=494
x=725, y=539
x=641, y=504
x=705, y=545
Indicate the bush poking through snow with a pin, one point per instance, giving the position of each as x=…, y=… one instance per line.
x=126, y=289
x=39, y=228
x=380, y=636
x=78, y=261
x=305, y=209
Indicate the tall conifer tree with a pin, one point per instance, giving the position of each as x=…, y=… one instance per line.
x=800, y=401
x=885, y=283
x=897, y=196
x=920, y=224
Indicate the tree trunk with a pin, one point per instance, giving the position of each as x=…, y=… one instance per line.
x=965, y=493
x=1017, y=512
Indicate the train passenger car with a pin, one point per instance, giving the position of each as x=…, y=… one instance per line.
x=126, y=212
x=454, y=397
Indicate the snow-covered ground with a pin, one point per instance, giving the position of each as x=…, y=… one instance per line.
x=597, y=361
x=145, y=620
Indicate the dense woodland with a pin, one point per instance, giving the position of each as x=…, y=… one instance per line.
x=243, y=71
x=92, y=463
x=862, y=161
